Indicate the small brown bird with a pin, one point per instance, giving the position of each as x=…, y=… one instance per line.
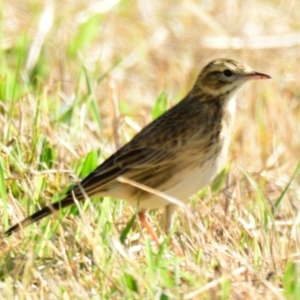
x=178, y=154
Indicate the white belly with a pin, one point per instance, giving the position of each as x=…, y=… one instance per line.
x=185, y=184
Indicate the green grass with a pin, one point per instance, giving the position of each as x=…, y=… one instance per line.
x=102, y=73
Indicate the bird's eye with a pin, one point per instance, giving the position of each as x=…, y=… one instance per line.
x=227, y=73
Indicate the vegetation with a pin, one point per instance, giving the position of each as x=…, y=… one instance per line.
x=80, y=78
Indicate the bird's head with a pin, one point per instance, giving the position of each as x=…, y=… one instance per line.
x=225, y=76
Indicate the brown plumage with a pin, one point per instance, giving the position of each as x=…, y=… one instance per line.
x=178, y=153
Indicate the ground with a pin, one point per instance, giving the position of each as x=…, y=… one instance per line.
x=80, y=78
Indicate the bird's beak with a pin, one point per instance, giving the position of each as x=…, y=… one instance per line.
x=256, y=75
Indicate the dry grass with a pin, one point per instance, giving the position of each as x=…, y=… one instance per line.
x=82, y=75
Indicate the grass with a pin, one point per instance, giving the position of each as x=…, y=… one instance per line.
x=79, y=79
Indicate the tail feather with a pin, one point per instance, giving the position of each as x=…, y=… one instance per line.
x=46, y=211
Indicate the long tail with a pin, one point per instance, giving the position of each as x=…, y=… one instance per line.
x=46, y=211
x=92, y=185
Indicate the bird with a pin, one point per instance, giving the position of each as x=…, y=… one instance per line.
x=178, y=154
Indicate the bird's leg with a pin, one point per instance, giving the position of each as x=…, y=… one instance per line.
x=168, y=217
x=145, y=223
x=176, y=247
x=168, y=222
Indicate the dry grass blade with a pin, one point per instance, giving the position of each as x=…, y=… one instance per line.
x=71, y=52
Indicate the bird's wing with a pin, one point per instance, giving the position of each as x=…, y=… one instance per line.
x=136, y=164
